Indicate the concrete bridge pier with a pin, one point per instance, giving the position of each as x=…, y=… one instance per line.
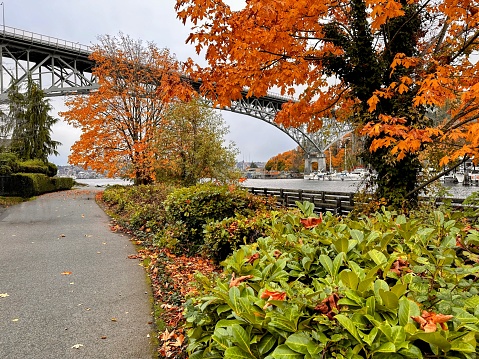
x=311, y=158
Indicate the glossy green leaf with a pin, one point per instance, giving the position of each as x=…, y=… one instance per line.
x=284, y=352
x=349, y=279
x=378, y=257
x=301, y=342
x=237, y=353
x=341, y=245
x=460, y=346
x=337, y=263
x=234, y=295
x=241, y=338
x=407, y=309
x=327, y=263
x=434, y=338
x=390, y=300
x=266, y=344
x=386, y=348
x=370, y=337
x=348, y=325
x=357, y=235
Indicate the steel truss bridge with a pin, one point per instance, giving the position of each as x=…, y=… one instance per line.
x=63, y=67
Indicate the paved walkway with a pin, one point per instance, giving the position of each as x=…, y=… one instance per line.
x=67, y=287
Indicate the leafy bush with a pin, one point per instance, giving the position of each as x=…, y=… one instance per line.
x=62, y=183
x=31, y=184
x=139, y=208
x=222, y=237
x=8, y=163
x=32, y=166
x=189, y=209
x=378, y=287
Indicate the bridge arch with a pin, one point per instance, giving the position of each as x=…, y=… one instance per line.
x=62, y=68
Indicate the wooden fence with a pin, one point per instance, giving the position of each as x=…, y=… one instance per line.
x=340, y=203
x=336, y=202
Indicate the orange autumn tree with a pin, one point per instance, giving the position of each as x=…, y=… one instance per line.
x=292, y=160
x=384, y=65
x=137, y=84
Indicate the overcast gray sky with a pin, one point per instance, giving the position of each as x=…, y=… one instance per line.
x=149, y=20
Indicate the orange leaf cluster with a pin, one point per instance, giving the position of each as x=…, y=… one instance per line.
x=286, y=46
x=273, y=295
x=118, y=121
x=428, y=321
x=311, y=222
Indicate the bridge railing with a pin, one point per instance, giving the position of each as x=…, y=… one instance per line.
x=32, y=37
x=340, y=203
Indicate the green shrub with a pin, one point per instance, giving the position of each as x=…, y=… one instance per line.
x=62, y=183
x=52, y=169
x=222, y=237
x=344, y=288
x=189, y=209
x=32, y=166
x=139, y=208
x=31, y=184
x=8, y=163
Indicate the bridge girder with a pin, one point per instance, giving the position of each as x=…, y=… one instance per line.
x=62, y=68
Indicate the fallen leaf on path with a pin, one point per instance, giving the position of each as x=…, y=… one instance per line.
x=113, y=319
x=66, y=273
x=15, y=320
x=62, y=235
x=4, y=295
x=77, y=346
x=103, y=337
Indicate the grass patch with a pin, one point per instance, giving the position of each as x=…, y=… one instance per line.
x=10, y=201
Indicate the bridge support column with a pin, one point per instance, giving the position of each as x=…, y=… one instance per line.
x=311, y=158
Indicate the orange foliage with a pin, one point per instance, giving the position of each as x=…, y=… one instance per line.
x=118, y=121
x=428, y=321
x=272, y=44
x=287, y=161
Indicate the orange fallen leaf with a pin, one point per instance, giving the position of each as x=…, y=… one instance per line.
x=428, y=321
x=179, y=341
x=273, y=295
x=253, y=258
x=329, y=306
x=236, y=281
x=66, y=273
x=311, y=222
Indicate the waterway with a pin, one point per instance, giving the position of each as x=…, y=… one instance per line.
x=455, y=190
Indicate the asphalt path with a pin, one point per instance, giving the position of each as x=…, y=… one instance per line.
x=67, y=287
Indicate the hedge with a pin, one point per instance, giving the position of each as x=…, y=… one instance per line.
x=32, y=184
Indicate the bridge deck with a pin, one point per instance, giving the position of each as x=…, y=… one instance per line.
x=28, y=46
